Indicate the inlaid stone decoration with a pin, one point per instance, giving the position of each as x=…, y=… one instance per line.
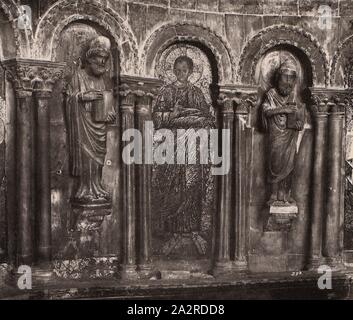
x=282, y=117
x=2, y=178
x=182, y=196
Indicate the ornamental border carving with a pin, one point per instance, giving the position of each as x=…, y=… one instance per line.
x=56, y=19
x=337, y=57
x=148, y=57
x=249, y=78
x=10, y=8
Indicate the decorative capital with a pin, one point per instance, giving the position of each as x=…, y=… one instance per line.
x=330, y=100
x=141, y=86
x=33, y=75
x=244, y=97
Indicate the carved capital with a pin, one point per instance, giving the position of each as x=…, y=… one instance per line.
x=243, y=97
x=329, y=100
x=33, y=75
x=141, y=86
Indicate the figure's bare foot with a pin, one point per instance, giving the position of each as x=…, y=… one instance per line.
x=291, y=200
x=281, y=196
x=273, y=198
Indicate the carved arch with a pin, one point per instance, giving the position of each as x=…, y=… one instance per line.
x=21, y=43
x=283, y=35
x=342, y=64
x=171, y=33
x=63, y=13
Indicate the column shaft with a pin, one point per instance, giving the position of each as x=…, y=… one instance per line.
x=334, y=163
x=43, y=222
x=240, y=188
x=318, y=207
x=129, y=199
x=143, y=109
x=223, y=216
x=24, y=177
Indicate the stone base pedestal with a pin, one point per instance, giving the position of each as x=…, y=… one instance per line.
x=315, y=262
x=42, y=274
x=89, y=216
x=129, y=272
x=281, y=216
x=336, y=263
x=240, y=266
x=222, y=269
x=147, y=271
x=85, y=222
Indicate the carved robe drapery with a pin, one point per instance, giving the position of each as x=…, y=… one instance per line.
x=282, y=140
x=87, y=138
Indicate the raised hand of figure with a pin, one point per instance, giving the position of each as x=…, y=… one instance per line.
x=111, y=117
x=299, y=125
x=92, y=95
x=176, y=110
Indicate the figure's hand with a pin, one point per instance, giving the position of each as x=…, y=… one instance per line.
x=111, y=117
x=92, y=95
x=299, y=125
x=176, y=110
x=288, y=110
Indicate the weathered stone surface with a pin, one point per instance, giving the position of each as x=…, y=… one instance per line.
x=137, y=19
x=279, y=7
x=156, y=15
x=312, y=7
x=207, y=5
x=230, y=6
x=184, y=4
x=235, y=37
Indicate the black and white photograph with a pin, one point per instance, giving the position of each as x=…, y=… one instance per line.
x=185, y=151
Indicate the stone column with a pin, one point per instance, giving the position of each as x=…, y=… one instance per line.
x=47, y=76
x=33, y=214
x=24, y=149
x=334, y=183
x=240, y=178
x=144, y=178
x=129, y=260
x=222, y=256
x=20, y=73
x=319, y=108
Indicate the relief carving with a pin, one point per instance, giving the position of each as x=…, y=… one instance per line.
x=282, y=115
x=89, y=108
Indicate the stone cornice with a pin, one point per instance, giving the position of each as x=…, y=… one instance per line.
x=333, y=100
x=139, y=86
x=243, y=97
x=33, y=75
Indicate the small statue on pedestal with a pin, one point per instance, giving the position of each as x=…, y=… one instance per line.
x=89, y=108
x=281, y=117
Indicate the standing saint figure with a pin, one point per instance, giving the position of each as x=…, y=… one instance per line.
x=180, y=188
x=87, y=136
x=281, y=115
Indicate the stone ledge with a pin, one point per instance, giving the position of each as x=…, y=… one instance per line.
x=253, y=286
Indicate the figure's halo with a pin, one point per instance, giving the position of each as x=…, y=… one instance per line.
x=272, y=62
x=165, y=66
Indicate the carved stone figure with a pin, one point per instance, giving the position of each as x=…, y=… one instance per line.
x=282, y=120
x=89, y=108
x=180, y=188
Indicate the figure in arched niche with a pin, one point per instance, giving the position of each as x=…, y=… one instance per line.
x=89, y=108
x=181, y=191
x=282, y=118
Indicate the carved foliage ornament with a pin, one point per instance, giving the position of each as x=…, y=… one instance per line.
x=302, y=40
x=27, y=75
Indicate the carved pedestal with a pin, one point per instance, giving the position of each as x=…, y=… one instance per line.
x=281, y=216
